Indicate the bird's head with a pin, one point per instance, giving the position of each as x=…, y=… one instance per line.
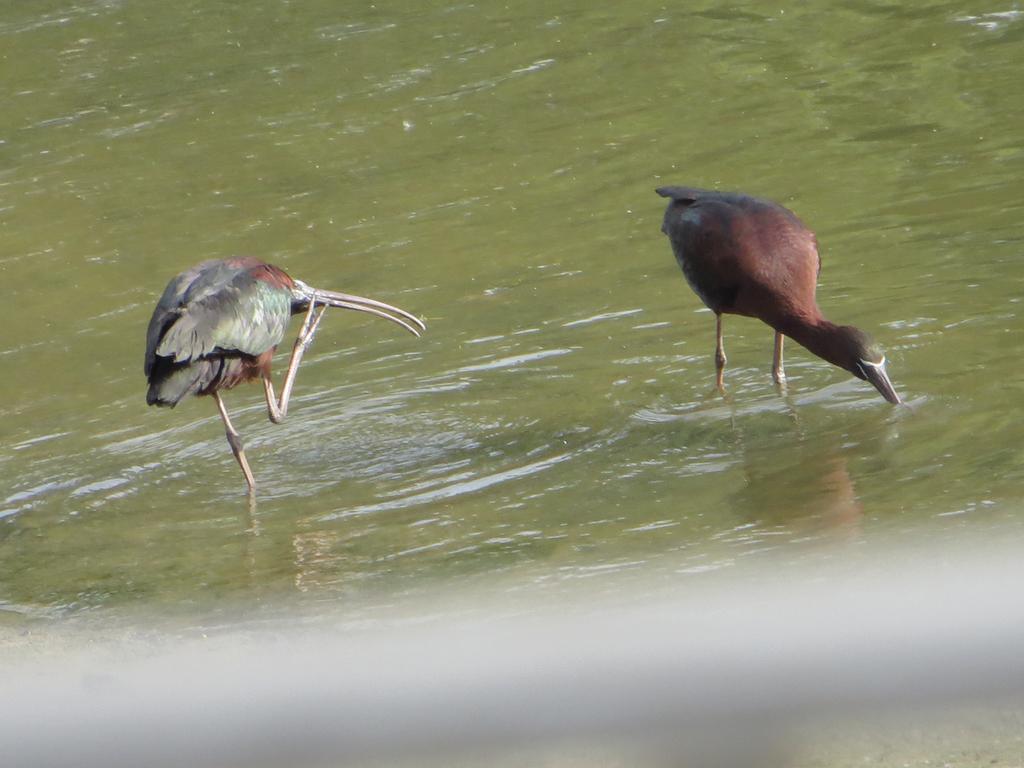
x=303, y=295
x=864, y=359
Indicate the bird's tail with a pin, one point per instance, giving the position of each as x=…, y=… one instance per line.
x=169, y=382
x=682, y=194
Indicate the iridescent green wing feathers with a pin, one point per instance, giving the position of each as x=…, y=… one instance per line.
x=216, y=308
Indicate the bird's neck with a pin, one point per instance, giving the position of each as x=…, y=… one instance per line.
x=819, y=336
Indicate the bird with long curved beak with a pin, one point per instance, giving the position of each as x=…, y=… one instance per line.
x=218, y=324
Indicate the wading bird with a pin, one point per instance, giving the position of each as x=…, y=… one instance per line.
x=218, y=324
x=746, y=256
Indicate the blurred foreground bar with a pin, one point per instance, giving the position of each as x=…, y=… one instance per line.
x=711, y=675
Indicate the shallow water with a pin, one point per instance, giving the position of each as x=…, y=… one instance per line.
x=492, y=169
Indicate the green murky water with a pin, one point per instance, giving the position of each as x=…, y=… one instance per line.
x=491, y=167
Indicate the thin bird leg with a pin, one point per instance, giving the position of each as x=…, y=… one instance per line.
x=235, y=441
x=720, y=358
x=778, y=372
x=278, y=409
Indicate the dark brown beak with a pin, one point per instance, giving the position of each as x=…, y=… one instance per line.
x=407, y=320
x=875, y=373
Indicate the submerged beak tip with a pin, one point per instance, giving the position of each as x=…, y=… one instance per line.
x=891, y=396
x=876, y=374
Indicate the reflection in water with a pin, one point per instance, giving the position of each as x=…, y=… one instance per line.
x=314, y=553
x=499, y=163
x=804, y=490
x=784, y=470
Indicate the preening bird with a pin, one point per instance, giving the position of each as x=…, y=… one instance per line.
x=743, y=255
x=217, y=325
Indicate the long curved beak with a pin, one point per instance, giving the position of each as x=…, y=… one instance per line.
x=407, y=320
x=875, y=373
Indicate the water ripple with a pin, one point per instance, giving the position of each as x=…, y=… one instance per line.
x=602, y=316
x=457, y=488
x=514, y=360
x=488, y=84
x=339, y=32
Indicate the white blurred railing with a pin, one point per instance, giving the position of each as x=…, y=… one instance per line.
x=718, y=675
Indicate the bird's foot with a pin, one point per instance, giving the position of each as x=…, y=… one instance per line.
x=717, y=395
x=310, y=324
x=308, y=319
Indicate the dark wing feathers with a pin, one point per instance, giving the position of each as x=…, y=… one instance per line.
x=167, y=310
x=245, y=316
x=213, y=308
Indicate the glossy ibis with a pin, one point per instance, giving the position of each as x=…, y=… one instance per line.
x=218, y=324
x=746, y=256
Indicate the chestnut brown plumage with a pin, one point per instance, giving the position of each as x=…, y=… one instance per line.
x=743, y=255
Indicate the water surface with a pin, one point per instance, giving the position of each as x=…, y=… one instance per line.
x=491, y=168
